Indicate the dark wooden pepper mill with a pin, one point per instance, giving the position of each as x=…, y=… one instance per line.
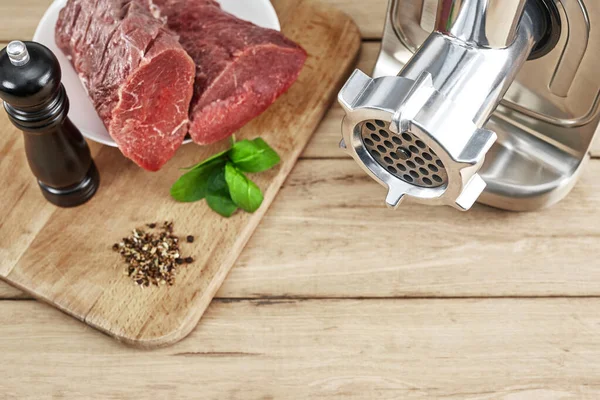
x=37, y=104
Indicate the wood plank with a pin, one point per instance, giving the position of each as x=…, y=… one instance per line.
x=352, y=246
x=64, y=256
x=370, y=17
x=20, y=22
x=12, y=293
x=383, y=349
x=20, y=18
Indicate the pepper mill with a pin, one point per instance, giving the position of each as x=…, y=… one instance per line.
x=37, y=104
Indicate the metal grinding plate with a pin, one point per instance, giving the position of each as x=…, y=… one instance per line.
x=404, y=156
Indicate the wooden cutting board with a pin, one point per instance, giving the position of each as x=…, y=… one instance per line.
x=64, y=256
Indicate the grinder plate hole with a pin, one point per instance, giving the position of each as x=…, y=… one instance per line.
x=405, y=156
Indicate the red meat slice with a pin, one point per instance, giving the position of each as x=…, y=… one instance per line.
x=241, y=68
x=137, y=74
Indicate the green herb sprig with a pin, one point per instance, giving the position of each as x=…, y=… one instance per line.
x=220, y=179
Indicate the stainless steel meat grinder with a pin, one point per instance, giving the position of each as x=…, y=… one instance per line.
x=496, y=101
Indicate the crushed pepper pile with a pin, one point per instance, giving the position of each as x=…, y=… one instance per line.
x=152, y=256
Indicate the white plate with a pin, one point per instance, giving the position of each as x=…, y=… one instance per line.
x=82, y=112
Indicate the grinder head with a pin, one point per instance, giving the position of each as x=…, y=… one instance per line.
x=412, y=139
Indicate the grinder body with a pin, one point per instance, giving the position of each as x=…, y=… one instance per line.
x=489, y=87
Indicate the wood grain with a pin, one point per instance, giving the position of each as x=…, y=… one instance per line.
x=63, y=256
x=11, y=293
x=352, y=246
x=370, y=349
x=20, y=18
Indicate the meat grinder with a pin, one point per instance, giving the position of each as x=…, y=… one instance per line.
x=493, y=101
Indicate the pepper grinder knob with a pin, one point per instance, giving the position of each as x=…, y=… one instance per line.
x=37, y=103
x=17, y=53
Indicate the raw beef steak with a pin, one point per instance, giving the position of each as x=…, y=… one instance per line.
x=137, y=74
x=240, y=68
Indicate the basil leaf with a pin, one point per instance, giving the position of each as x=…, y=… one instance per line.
x=222, y=205
x=193, y=185
x=253, y=155
x=217, y=183
x=218, y=197
x=244, y=193
x=208, y=160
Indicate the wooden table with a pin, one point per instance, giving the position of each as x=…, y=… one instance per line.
x=338, y=297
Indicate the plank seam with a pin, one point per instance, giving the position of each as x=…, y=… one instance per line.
x=284, y=299
x=287, y=300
